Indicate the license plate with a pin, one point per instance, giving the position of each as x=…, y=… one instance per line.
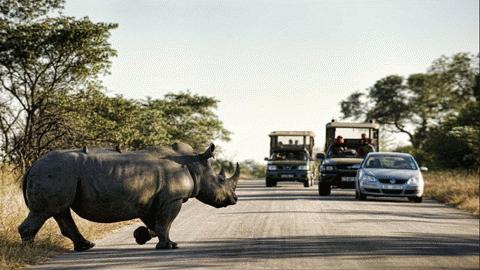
x=348, y=179
x=286, y=176
x=389, y=187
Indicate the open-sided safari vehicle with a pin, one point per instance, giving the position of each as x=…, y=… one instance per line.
x=346, y=144
x=291, y=158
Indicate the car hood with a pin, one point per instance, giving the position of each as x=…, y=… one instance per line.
x=287, y=162
x=347, y=161
x=391, y=173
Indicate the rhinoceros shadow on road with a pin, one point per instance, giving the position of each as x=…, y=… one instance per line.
x=227, y=251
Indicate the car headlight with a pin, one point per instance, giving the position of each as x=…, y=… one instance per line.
x=272, y=167
x=326, y=168
x=303, y=167
x=414, y=181
x=368, y=178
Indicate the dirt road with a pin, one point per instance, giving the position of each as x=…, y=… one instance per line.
x=291, y=227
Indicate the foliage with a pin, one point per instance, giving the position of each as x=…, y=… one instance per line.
x=42, y=60
x=250, y=169
x=51, y=97
x=435, y=109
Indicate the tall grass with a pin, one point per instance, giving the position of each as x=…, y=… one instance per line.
x=49, y=241
x=458, y=188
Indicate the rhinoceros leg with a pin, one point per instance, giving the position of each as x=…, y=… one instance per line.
x=143, y=234
x=164, y=219
x=69, y=229
x=31, y=225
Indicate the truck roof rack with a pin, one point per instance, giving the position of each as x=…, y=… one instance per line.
x=292, y=133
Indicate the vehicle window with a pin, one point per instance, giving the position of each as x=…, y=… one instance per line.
x=391, y=162
x=288, y=155
x=341, y=151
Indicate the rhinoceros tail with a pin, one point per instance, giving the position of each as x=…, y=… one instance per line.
x=24, y=186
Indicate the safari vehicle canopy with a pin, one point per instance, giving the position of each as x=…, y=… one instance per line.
x=292, y=140
x=351, y=133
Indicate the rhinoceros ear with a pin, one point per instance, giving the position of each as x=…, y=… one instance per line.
x=235, y=176
x=208, y=153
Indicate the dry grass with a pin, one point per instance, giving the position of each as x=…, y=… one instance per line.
x=458, y=188
x=49, y=241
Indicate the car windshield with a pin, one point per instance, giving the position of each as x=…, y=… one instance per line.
x=289, y=155
x=349, y=151
x=391, y=162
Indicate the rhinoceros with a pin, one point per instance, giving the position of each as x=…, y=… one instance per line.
x=103, y=185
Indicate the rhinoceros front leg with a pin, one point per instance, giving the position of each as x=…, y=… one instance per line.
x=164, y=219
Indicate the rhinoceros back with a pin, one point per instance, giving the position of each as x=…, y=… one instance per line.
x=103, y=185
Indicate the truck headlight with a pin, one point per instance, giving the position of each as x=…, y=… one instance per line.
x=326, y=168
x=303, y=167
x=272, y=167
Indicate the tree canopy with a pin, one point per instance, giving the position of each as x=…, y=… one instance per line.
x=51, y=96
x=424, y=104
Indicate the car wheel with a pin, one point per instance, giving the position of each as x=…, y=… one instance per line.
x=360, y=196
x=416, y=199
x=274, y=183
x=324, y=189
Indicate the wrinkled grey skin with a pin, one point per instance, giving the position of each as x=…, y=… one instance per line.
x=107, y=186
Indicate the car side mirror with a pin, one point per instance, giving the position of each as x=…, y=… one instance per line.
x=320, y=156
x=266, y=159
x=423, y=169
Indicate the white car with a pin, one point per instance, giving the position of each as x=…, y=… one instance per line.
x=388, y=174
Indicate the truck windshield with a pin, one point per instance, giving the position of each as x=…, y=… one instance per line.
x=345, y=151
x=289, y=155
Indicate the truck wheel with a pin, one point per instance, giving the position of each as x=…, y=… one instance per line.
x=268, y=183
x=306, y=183
x=324, y=189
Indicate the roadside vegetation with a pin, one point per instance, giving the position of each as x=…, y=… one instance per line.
x=456, y=188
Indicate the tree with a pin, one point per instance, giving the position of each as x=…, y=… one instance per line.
x=42, y=60
x=420, y=102
x=190, y=118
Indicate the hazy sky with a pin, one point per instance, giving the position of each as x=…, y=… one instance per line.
x=275, y=65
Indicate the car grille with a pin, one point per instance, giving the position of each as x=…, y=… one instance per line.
x=396, y=181
x=282, y=167
x=409, y=192
x=392, y=191
x=344, y=167
x=372, y=190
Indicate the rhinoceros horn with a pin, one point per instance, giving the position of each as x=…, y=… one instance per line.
x=235, y=176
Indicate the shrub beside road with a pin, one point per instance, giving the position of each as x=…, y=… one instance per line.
x=457, y=188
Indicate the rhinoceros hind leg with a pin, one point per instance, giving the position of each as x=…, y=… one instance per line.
x=165, y=217
x=142, y=235
x=31, y=225
x=69, y=229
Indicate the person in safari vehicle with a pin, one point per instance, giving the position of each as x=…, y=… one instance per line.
x=346, y=146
